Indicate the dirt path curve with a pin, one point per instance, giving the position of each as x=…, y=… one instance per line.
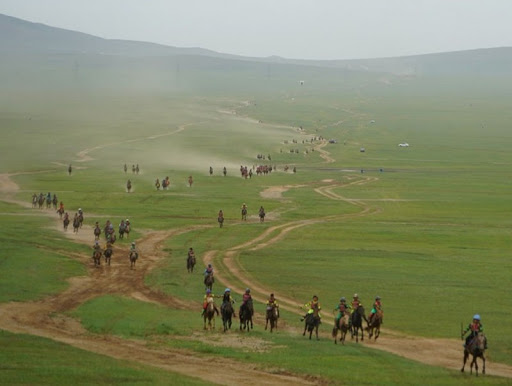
x=445, y=353
x=46, y=317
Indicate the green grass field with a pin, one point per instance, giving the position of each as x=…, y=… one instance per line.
x=435, y=242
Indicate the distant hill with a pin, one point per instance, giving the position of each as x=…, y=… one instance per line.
x=26, y=38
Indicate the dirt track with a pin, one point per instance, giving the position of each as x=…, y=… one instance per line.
x=35, y=317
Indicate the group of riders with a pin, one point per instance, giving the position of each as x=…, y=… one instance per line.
x=41, y=199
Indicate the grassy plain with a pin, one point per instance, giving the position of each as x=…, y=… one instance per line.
x=435, y=247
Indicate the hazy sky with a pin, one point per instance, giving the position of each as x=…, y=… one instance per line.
x=303, y=29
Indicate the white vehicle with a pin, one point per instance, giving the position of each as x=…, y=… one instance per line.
x=405, y=144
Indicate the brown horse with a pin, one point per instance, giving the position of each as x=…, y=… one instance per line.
x=191, y=262
x=76, y=224
x=65, y=222
x=208, y=281
x=272, y=316
x=97, y=232
x=60, y=211
x=209, y=313
x=96, y=257
x=262, y=214
x=129, y=186
x=133, y=258
x=245, y=315
x=342, y=326
x=476, y=348
x=81, y=218
x=108, y=255
x=374, y=325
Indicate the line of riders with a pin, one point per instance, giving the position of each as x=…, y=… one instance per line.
x=135, y=169
x=108, y=251
x=109, y=231
x=41, y=199
x=244, y=210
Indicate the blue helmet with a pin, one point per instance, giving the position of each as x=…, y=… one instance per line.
x=476, y=317
x=208, y=291
x=227, y=290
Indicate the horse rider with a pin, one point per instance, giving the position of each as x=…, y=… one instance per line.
x=208, y=295
x=245, y=299
x=48, y=197
x=208, y=270
x=475, y=327
x=157, y=184
x=224, y=171
x=61, y=207
x=227, y=298
x=133, y=248
x=342, y=308
x=191, y=252
x=377, y=307
x=313, y=305
x=272, y=302
x=96, y=247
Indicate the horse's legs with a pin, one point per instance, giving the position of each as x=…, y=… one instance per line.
x=266, y=325
x=483, y=359
x=464, y=359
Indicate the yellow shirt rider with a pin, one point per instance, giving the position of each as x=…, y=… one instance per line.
x=311, y=306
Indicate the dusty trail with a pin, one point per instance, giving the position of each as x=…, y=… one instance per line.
x=38, y=318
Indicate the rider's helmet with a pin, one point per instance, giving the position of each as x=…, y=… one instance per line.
x=342, y=299
x=133, y=243
x=271, y=295
x=227, y=290
x=476, y=317
x=377, y=298
x=209, y=265
x=208, y=291
x=79, y=209
x=247, y=290
x=96, y=242
x=356, y=296
x=315, y=297
x=127, y=220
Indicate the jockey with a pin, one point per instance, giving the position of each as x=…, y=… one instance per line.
x=475, y=327
x=191, y=252
x=48, y=197
x=377, y=306
x=342, y=308
x=221, y=214
x=208, y=270
x=205, y=301
x=355, y=303
x=66, y=216
x=96, y=247
x=245, y=299
x=311, y=306
x=80, y=212
x=272, y=302
x=61, y=206
x=227, y=299
x=133, y=248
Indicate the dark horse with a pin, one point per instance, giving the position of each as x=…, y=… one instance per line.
x=262, y=214
x=191, y=261
x=208, y=281
x=311, y=322
x=76, y=224
x=244, y=214
x=108, y=255
x=476, y=348
x=81, y=219
x=341, y=326
x=227, y=312
x=220, y=219
x=65, y=222
x=209, y=313
x=128, y=186
x=133, y=258
x=272, y=316
x=374, y=325
x=245, y=315
x=97, y=233
x=357, y=323
x=96, y=257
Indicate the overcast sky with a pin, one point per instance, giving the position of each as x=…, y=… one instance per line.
x=302, y=29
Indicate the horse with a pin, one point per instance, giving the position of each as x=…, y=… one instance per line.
x=60, y=211
x=245, y=315
x=374, y=325
x=211, y=170
x=244, y=213
x=108, y=255
x=34, y=201
x=262, y=214
x=227, y=312
x=341, y=326
x=208, y=281
x=122, y=230
x=191, y=261
x=127, y=230
x=224, y=171
x=476, y=348
x=81, y=218
x=96, y=257
x=311, y=322
x=40, y=201
x=190, y=181
x=65, y=222
x=220, y=219
x=357, y=323
x=272, y=316
x=76, y=224
x=125, y=168
x=54, y=201
x=97, y=233
x=133, y=258
x=70, y=169
x=129, y=186
x=209, y=313
x=48, y=202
